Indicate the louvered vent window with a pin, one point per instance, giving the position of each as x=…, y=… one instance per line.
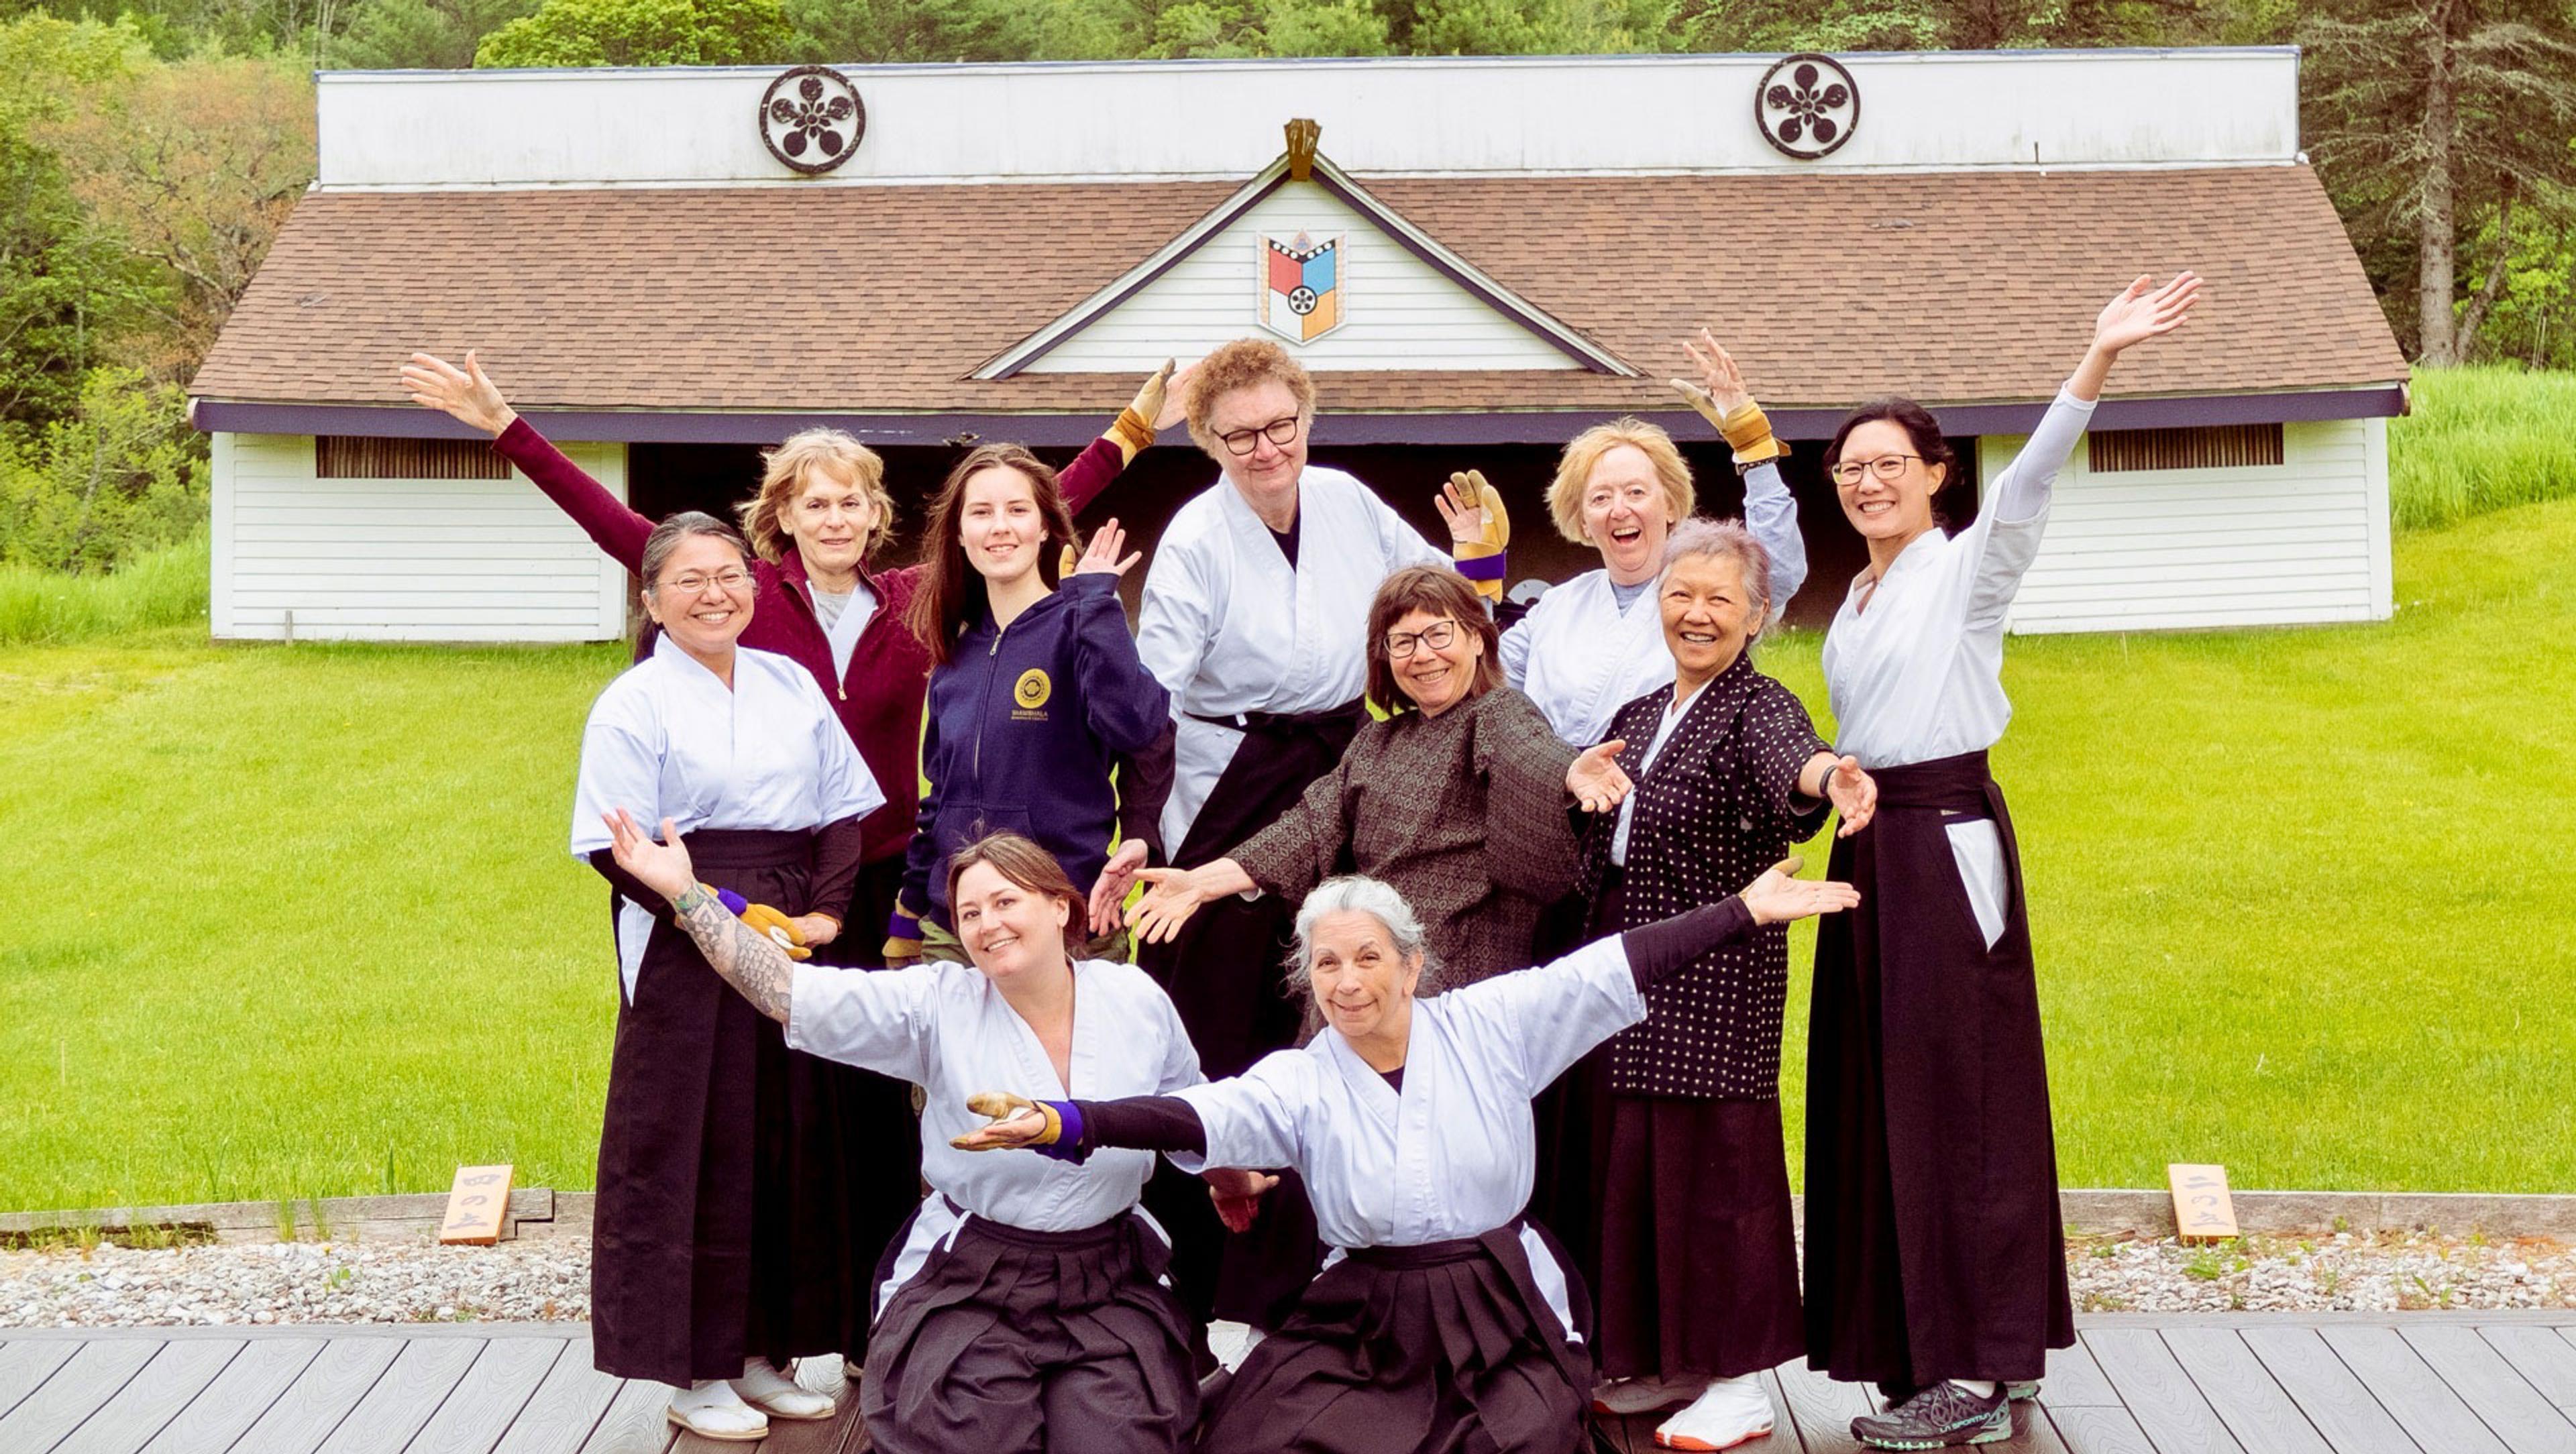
x=2216, y=447
x=356, y=457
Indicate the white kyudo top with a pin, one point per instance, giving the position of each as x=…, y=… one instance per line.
x=1455, y=1154
x=1581, y=658
x=946, y=1029
x=1228, y=626
x=666, y=740
x=1918, y=674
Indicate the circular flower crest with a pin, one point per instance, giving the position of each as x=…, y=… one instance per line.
x=1806, y=106
x=811, y=118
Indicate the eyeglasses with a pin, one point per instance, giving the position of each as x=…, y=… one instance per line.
x=1437, y=636
x=1281, y=431
x=1886, y=467
x=694, y=584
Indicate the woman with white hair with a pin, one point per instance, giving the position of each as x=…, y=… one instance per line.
x=1441, y=1320
x=1671, y=1183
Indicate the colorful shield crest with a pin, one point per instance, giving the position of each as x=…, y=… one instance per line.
x=1301, y=292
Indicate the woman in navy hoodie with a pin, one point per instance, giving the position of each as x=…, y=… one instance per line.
x=1036, y=695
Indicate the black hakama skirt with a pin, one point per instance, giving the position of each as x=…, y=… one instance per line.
x=884, y=1133
x=726, y=1169
x=1677, y=1212
x=1226, y=973
x=1010, y=1340
x=1934, y=1244
x=1443, y=1348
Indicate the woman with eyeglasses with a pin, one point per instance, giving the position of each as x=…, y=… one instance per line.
x=1458, y=797
x=720, y=1249
x=1256, y=606
x=1935, y=1259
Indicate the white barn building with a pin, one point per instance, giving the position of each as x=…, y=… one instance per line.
x=667, y=269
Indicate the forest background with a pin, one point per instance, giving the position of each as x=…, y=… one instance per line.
x=150, y=149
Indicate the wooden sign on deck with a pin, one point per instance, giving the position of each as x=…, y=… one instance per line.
x=475, y=1206
x=2203, y=1211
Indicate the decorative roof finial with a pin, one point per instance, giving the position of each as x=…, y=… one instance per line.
x=1302, y=135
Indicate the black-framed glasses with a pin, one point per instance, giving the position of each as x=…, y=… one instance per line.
x=1281, y=431
x=693, y=583
x=1886, y=467
x=1438, y=635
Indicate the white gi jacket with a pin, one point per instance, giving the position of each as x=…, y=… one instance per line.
x=1228, y=626
x=667, y=740
x=946, y=1029
x=1915, y=666
x=1455, y=1154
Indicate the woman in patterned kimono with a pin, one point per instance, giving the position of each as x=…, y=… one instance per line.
x=1674, y=1184
x=1442, y=1321
x=1935, y=1258
x=1458, y=798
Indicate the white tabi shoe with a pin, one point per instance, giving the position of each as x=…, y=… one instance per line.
x=1730, y=1412
x=1623, y=1397
x=779, y=1396
x=711, y=1409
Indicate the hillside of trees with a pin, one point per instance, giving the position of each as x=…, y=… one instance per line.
x=150, y=149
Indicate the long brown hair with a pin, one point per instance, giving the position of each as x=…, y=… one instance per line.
x=1025, y=864
x=951, y=595
x=1442, y=592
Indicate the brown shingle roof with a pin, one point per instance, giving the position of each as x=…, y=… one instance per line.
x=1956, y=288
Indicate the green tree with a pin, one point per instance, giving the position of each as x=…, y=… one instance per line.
x=642, y=33
x=2429, y=117
x=120, y=475
x=441, y=35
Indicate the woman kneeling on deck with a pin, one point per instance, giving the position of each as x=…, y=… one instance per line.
x=1024, y=1307
x=1441, y=1320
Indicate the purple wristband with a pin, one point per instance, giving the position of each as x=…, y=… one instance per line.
x=734, y=903
x=1068, y=1142
x=1485, y=567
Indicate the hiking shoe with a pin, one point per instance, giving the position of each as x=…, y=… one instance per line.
x=1938, y=1417
x=2022, y=1393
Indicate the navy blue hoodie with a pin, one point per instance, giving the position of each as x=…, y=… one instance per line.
x=1023, y=726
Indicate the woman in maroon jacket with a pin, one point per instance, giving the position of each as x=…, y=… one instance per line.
x=821, y=511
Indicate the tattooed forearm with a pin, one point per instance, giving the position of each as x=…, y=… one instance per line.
x=745, y=958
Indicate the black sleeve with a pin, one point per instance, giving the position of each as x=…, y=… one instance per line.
x=1144, y=784
x=837, y=849
x=605, y=860
x=1659, y=948
x=1143, y=1123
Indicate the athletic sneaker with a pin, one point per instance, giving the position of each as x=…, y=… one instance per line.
x=2022, y=1393
x=1938, y=1417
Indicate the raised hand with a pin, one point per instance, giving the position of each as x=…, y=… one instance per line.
x=2143, y=311
x=1779, y=895
x=1100, y=557
x=466, y=393
x=1595, y=778
x=1853, y=793
x=1720, y=390
x=1237, y=1194
x=1174, y=405
x=663, y=867
x=1171, y=896
x=1473, y=510
x=1017, y=1122
x=1116, y=877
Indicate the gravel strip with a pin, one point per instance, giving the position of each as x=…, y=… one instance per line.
x=549, y=1278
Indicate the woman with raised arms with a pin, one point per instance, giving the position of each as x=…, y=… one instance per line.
x=1935, y=1260
x=1024, y=1307
x=1441, y=1321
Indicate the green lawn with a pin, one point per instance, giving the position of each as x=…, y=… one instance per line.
x=295, y=921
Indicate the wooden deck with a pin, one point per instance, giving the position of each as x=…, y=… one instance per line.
x=2403, y=1383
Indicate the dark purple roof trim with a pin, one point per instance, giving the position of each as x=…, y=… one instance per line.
x=1340, y=427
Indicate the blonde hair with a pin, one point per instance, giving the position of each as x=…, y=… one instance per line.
x=1243, y=364
x=1583, y=454
x=796, y=459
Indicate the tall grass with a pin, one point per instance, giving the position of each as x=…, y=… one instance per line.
x=164, y=588
x=2481, y=439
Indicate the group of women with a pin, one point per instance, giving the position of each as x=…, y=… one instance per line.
x=1497, y=1140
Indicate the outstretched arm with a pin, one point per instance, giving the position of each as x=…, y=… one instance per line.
x=1770, y=511
x=469, y=396
x=740, y=955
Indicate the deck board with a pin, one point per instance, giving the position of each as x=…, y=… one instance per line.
x=2328, y=1383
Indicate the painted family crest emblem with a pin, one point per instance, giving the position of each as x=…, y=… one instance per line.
x=1301, y=286
x=1807, y=106
x=811, y=118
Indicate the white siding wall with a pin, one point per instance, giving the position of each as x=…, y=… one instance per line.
x=2302, y=541
x=403, y=560
x=1403, y=313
